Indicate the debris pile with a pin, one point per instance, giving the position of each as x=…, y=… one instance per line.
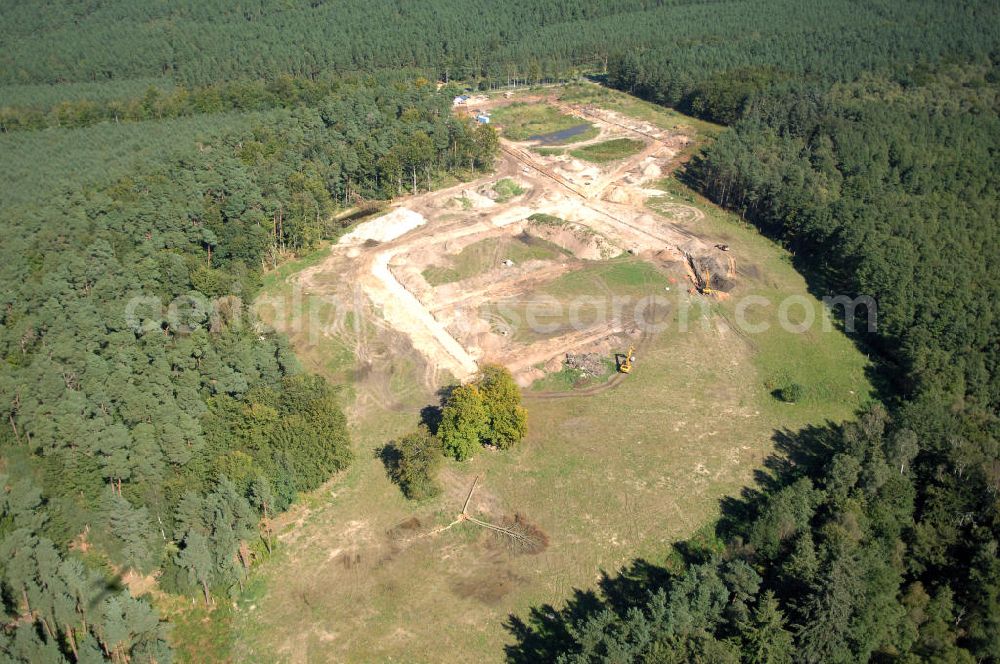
x=588, y=363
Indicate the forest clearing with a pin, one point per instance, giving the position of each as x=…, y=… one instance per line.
x=589, y=474
x=589, y=217
x=615, y=331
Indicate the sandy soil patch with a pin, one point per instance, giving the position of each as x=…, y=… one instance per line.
x=387, y=227
x=600, y=214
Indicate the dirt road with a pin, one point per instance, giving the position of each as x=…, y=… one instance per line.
x=428, y=228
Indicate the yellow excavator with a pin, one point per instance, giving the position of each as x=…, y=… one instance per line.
x=701, y=283
x=705, y=288
x=625, y=362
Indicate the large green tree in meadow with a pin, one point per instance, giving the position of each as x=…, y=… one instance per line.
x=486, y=411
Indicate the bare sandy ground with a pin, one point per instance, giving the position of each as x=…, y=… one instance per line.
x=384, y=258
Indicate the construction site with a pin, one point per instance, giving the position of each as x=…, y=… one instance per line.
x=636, y=428
x=463, y=272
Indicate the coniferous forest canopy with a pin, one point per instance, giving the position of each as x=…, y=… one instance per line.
x=166, y=150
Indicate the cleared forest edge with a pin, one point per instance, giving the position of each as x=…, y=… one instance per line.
x=597, y=212
x=370, y=576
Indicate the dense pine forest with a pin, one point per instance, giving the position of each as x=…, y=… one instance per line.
x=151, y=426
x=878, y=539
x=162, y=153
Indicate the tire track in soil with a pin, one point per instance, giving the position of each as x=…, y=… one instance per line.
x=644, y=342
x=372, y=269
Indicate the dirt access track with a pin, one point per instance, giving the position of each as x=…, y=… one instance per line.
x=597, y=213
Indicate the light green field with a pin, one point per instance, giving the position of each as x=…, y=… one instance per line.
x=621, y=276
x=660, y=116
x=781, y=357
x=522, y=121
x=609, y=478
x=583, y=295
x=606, y=151
x=486, y=255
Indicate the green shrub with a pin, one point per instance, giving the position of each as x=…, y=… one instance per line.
x=507, y=189
x=548, y=219
x=412, y=462
x=791, y=393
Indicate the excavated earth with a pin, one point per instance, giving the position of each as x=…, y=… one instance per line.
x=595, y=213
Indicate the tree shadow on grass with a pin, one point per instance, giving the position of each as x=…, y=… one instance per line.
x=826, y=279
x=390, y=457
x=430, y=415
x=547, y=632
x=797, y=454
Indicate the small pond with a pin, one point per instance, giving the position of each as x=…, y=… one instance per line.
x=559, y=137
